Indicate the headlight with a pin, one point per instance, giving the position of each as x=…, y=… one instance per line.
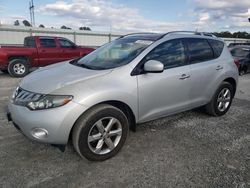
x=49, y=101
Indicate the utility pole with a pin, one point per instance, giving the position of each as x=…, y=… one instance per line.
x=32, y=14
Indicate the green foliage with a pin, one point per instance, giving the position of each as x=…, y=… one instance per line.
x=65, y=27
x=26, y=23
x=227, y=34
x=85, y=28
x=41, y=26
x=16, y=23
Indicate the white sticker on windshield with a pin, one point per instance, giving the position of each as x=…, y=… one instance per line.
x=145, y=42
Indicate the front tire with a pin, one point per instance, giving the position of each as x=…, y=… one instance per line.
x=18, y=67
x=100, y=133
x=221, y=101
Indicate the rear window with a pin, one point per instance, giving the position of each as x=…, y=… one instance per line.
x=217, y=47
x=29, y=42
x=65, y=43
x=47, y=43
x=199, y=50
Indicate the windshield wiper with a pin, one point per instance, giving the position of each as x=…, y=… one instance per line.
x=75, y=62
x=83, y=66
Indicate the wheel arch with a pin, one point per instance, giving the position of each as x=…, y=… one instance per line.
x=233, y=82
x=125, y=108
x=12, y=57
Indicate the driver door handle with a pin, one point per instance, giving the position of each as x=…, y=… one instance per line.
x=219, y=67
x=184, y=76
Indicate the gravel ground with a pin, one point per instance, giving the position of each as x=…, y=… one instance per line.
x=190, y=149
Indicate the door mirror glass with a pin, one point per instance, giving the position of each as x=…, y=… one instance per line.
x=153, y=66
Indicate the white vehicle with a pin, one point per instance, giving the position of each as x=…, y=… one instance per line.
x=134, y=79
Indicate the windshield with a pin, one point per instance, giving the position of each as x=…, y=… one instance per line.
x=240, y=52
x=115, y=54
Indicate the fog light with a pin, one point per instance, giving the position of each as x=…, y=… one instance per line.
x=39, y=133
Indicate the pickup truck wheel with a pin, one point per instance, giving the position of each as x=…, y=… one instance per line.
x=100, y=133
x=221, y=101
x=5, y=71
x=18, y=67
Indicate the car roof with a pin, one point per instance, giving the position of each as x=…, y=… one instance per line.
x=179, y=34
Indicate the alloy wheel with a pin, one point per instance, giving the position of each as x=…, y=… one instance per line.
x=19, y=68
x=105, y=135
x=224, y=99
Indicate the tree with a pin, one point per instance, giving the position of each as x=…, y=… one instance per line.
x=16, y=23
x=85, y=28
x=26, y=23
x=41, y=26
x=227, y=34
x=65, y=27
x=240, y=34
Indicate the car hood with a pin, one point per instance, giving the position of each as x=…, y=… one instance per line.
x=48, y=79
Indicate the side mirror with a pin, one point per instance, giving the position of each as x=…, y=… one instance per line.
x=153, y=66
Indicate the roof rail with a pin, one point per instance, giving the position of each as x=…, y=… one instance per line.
x=191, y=32
x=172, y=32
x=135, y=34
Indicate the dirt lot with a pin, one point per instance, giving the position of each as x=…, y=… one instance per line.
x=190, y=149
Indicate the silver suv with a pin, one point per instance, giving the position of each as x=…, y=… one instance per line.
x=137, y=78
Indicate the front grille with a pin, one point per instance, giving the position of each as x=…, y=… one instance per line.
x=21, y=96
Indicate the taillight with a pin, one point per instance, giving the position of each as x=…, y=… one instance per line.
x=237, y=63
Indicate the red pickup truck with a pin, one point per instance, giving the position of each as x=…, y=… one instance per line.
x=38, y=51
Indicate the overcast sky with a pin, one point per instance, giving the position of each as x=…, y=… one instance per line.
x=131, y=15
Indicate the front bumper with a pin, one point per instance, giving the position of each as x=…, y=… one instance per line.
x=57, y=121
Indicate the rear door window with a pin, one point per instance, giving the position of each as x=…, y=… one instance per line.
x=217, y=47
x=47, y=42
x=199, y=50
x=65, y=43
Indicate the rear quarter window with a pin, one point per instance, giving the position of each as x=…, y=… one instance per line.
x=217, y=47
x=199, y=50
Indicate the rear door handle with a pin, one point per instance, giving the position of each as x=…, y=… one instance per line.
x=219, y=67
x=184, y=76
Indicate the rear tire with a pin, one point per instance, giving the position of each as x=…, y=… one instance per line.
x=92, y=136
x=221, y=101
x=243, y=71
x=18, y=67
